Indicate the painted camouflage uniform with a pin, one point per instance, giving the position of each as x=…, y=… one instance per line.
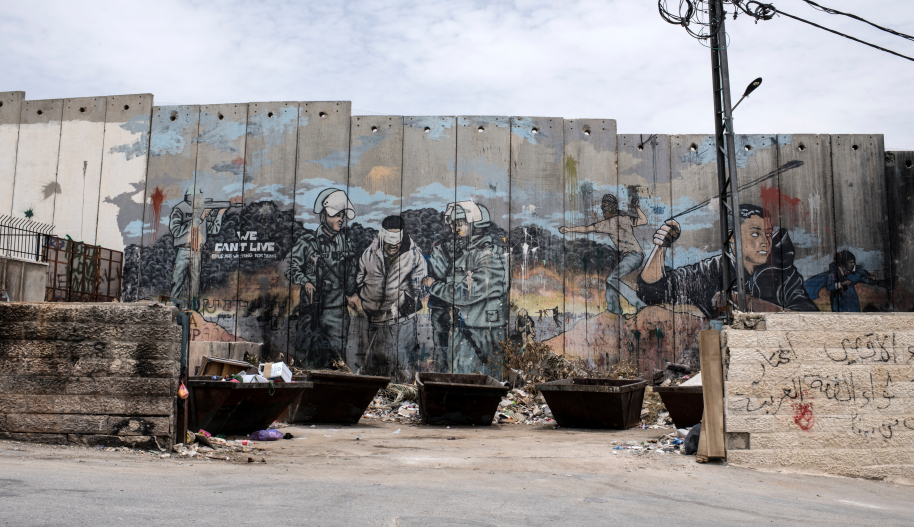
x=189, y=238
x=475, y=280
x=328, y=262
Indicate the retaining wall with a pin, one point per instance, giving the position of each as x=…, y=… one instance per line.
x=88, y=373
x=23, y=280
x=831, y=392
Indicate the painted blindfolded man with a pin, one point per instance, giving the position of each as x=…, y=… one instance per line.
x=390, y=272
x=323, y=264
x=469, y=274
x=767, y=271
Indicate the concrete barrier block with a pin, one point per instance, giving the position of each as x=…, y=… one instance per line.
x=138, y=426
x=23, y=385
x=13, y=404
x=752, y=458
x=161, y=387
x=124, y=368
x=43, y=367
x=741, y=339
x=151, y=406
x=898, y=322
x=782, y=322
x=56, y=423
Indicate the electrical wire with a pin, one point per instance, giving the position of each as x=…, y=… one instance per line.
x=831, y=11
x=689, y=15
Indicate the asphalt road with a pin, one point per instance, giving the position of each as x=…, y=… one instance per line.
x=369, y=475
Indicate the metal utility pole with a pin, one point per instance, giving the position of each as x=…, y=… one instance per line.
x=727, y=180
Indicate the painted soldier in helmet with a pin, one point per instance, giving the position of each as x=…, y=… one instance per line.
x=324, y=265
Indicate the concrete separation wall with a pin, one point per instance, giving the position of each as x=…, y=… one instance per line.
x=23, y=280
x=88, y=373
x=831, y=392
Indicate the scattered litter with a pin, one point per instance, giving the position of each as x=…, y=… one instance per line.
x=267, y=435
x=398, y=431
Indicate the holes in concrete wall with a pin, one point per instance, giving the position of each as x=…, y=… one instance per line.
x=82, y=109
x=322, y=115
x=427, y=129
x=174, y=116
x=480, y=130
x=1, y=104
x=374, y=129
x=269, y=114
x=39, y=112
x=586, y=130
x=909, y=163
x=641, y=147
x=536, y=130
x=747, y=148
x=693, y=147
x=220, y=116
x=855, y=148
x=802, y=147
x=126, y=106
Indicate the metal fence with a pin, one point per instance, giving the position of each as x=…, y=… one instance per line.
x=23, y=238
x=78, y=272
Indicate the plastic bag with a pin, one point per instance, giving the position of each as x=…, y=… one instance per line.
x=267, y=435
x=182, y=391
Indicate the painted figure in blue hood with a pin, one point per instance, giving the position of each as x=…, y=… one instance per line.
x=768, y=271
x=842, y=275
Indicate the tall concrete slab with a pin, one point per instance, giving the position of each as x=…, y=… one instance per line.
x=537, y=212
x=807, y=208
x=429, y=176
x=323, y=162
x=899, y=177
x=128, y=119
x=170, y=178
x=10, y=112
x=482, y=318
x=693, y=173
x=375, y=179
x=36, y=189
x=208, y=250
x=267, y=225
x=645, y=199
x=591, y=172
x=79, y=167
x=861, y=220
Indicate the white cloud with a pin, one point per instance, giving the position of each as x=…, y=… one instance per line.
x=588, y=58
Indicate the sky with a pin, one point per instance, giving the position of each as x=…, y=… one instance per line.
x=613, y=59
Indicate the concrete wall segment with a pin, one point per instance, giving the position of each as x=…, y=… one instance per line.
x=79, y=166
x=36, y=186
x=10, y=111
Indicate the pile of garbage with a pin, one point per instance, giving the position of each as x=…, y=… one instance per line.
x=535, y=362
x=202, y=445
x=524, y=408
x=666, y=444
x=395, y=404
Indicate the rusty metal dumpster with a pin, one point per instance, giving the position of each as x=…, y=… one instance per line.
x=461, y=399
x=336, y=397
x=595, y=403
x=685, y=404
x=222, y=407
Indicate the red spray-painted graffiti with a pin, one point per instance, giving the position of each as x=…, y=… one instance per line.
x=157, y=198
x=803, y=416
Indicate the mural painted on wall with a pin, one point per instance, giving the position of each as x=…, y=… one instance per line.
x=402, y=269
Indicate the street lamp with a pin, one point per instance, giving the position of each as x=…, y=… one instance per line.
x=749, y=89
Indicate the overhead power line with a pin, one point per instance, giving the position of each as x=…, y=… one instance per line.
x=695, y=13
x=855, y=17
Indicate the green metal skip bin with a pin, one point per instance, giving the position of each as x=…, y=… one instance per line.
x=595, y=403
x=460, y=399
